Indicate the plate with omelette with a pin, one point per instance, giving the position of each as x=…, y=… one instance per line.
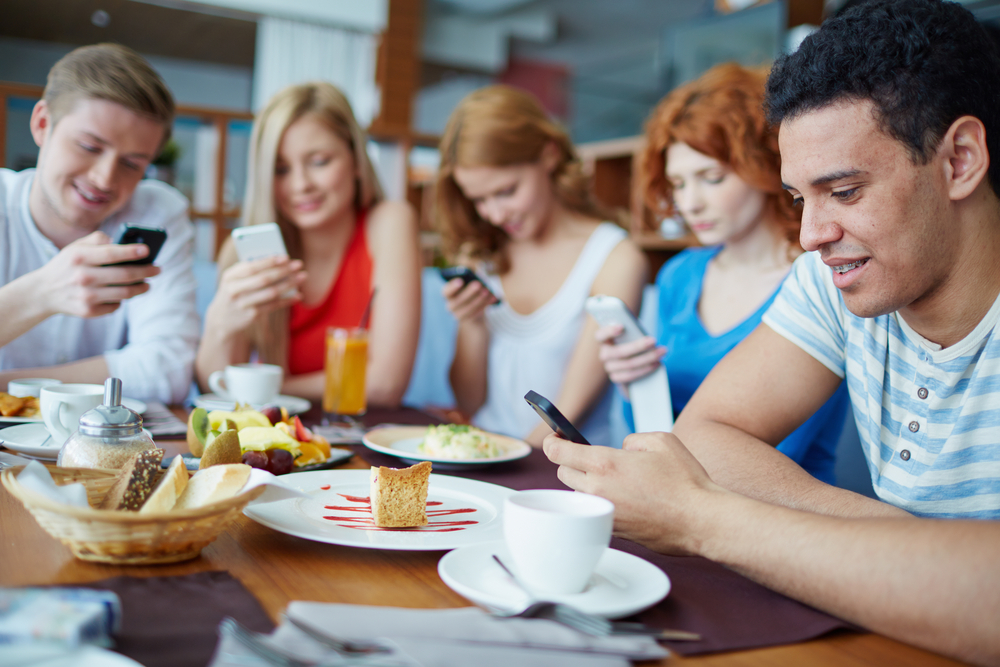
x=453, y=446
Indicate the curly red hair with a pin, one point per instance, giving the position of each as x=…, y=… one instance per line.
x=720, y=114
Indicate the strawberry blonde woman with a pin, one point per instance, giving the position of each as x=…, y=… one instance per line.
x=712, y=158
x=310, y=173
x=514, y=204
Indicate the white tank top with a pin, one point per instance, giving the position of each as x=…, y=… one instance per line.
x=533, y=351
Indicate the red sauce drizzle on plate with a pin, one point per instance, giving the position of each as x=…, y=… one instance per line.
x=366, y=522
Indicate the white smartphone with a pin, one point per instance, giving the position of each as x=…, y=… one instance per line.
x=652, y=408
x=258, y=241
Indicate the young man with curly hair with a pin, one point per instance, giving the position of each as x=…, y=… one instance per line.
x=888, y=117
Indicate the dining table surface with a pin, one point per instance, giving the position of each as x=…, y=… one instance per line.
x=277, y=569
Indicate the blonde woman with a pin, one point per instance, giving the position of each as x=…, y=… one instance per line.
x=310, y=173
x=514, y=204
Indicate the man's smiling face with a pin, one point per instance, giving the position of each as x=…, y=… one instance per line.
x=89, y=164
x=879, y=221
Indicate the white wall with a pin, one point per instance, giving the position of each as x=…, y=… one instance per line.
x=192, y=82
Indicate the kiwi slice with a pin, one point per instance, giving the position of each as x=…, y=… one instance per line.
x=225, y=448
x=197, y=431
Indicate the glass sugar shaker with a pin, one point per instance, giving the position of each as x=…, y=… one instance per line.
x=108, y=436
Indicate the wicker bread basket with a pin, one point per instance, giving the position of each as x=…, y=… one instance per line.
x=122, y=537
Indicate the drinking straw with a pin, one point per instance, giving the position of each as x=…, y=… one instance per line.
x=368, y=310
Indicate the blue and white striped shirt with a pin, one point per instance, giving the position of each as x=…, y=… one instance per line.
x=928, y=418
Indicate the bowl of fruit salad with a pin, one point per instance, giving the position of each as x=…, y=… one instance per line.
x=268, y=438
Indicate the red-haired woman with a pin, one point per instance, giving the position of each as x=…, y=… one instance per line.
x=712, y=158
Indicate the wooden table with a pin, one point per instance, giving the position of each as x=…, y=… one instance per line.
x=279, y=568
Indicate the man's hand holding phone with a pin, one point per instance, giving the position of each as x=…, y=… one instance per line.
x=83, y=279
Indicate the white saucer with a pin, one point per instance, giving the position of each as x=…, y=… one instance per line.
x=34, y=440
x=293, y=404
x=622, y=585
x=31, y=439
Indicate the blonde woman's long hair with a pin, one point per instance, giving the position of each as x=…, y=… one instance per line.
x=500, y=126
x=328, y=104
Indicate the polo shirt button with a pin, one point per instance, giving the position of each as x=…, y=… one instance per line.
x=905, y=455
x=914, y=427
x=922, y=392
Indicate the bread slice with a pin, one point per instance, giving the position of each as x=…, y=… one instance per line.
x=399, y=497
x=134, y=482
x=170, y=488
x=213, y=484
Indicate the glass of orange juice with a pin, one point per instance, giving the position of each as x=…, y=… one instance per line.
x=346, y=359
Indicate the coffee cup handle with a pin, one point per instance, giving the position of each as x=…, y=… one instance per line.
x=216, y=381
x=54, y=422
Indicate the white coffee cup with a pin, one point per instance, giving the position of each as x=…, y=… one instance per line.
x=62, y=405
x=256, y=384
x=556, y=538
x=29, y=386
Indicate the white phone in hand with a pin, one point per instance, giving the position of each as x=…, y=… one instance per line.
x=652, y=408
x=258, y=241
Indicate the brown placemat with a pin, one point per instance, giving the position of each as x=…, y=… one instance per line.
x=728, y=610
x=173, y=621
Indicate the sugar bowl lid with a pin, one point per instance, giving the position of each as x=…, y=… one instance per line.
x=111, y=419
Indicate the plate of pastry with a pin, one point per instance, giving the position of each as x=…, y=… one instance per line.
x=447, y=446
x=407, y=510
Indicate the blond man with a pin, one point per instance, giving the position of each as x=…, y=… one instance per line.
x=104, y=116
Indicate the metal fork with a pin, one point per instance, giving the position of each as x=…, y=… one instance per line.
x=231, y=627
x=342, y=646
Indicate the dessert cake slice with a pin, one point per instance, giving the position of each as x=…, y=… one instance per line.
x=399, y=497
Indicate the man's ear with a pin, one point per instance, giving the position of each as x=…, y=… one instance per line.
x=967, y=157
x=41, y=122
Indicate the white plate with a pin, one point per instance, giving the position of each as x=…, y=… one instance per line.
x=622, y=585
x=132, y=404
x=293, y=404
x=344, y=494
x=402, y=442
x=33, y=440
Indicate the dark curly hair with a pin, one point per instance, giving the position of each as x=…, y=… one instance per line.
x=922, y=63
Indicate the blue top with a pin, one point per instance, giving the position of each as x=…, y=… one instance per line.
x=692, y=352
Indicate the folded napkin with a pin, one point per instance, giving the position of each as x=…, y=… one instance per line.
x=36, y=477
x=64, y=616
x=448, y=637
x=161, y=422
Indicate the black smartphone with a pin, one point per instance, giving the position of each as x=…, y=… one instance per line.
x=467, y=275
x=556, y=420
x=153, y=238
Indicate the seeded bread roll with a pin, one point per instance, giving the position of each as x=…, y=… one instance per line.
x=399, y=497
x=135, y=482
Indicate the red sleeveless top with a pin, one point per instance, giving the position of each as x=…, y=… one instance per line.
x=343, y=306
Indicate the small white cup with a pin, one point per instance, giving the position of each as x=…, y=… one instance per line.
x=29, y=386
x=256, y=384
x=62, y=405
x=556, y=538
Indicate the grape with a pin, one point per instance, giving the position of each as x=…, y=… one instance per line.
x=273, y=414
x=279, y=461
x=255, y=459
